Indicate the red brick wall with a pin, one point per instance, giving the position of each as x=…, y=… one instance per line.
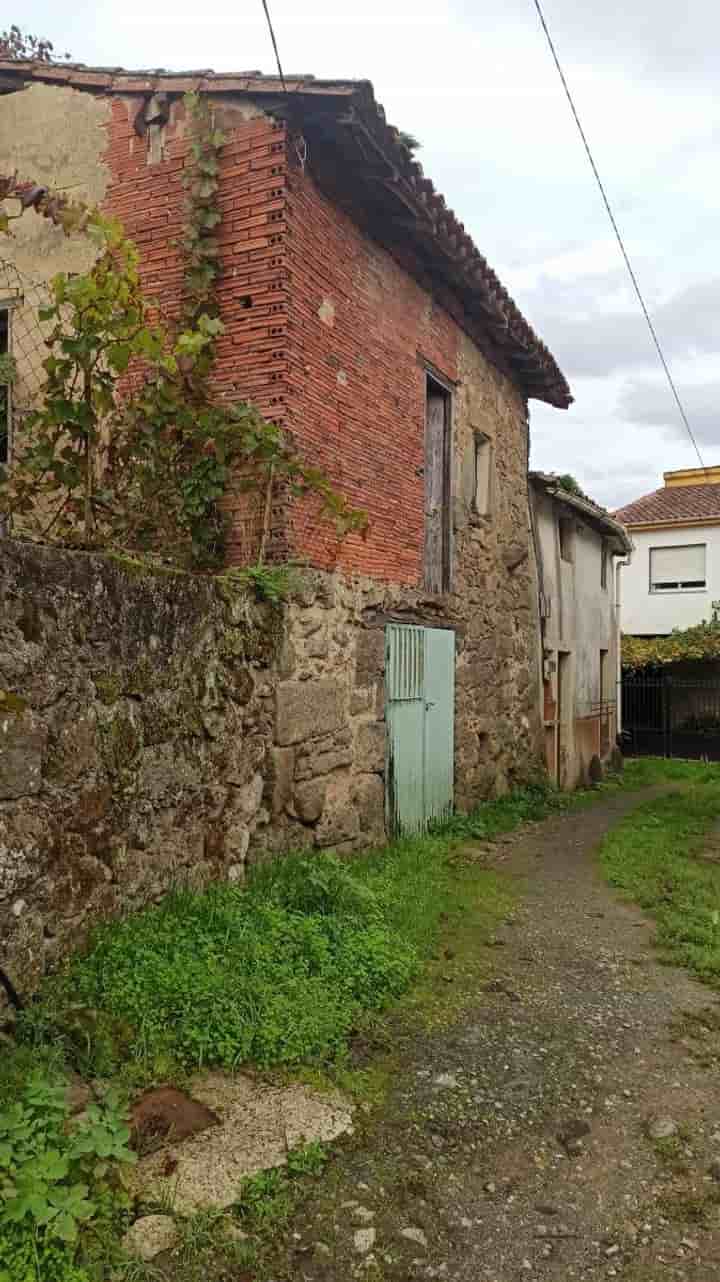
x=150, y=200
x=356, y=390
x=324, y=332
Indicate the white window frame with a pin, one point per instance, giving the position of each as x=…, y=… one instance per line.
x=665, y=586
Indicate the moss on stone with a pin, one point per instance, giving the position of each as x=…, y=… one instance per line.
x=12, y=704
x=108, y=686
x=120, y=744
x=135, y=568
x=141, y=680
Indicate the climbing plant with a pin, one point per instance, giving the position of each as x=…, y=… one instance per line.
x=128, y=447
x=201, y=180
x=699, y=642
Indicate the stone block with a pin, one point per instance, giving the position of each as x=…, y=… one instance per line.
x=73, y=748
x=248, y=798
x=327, y=757
x=362, y=700
x=369, y=797
x=282, y=765
x=22, y=744
x=339, y=823
x=370, y=747
x=369, y=656
x=237, y=840
x=308, y=709
x=309, y=800
x=164, y=771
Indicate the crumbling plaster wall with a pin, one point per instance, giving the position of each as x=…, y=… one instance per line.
x=55, y=137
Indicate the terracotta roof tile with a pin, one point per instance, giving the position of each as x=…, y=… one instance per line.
x=672, y=503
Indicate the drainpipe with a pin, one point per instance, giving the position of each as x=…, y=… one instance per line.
x=618, y=630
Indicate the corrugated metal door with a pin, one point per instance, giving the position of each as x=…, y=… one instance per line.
x=419, y=688
x=439, y=721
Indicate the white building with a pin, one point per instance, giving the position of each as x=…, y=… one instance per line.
x=673, y=580
x=577, y=545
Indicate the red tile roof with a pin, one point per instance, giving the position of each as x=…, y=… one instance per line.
x=343, y=119
x=672, y=503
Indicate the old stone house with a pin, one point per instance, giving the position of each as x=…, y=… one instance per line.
x=579, y=548
x=361, y=317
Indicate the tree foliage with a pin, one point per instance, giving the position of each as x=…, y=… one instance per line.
x=17, y=45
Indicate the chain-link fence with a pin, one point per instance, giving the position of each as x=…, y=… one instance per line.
x=23, y=347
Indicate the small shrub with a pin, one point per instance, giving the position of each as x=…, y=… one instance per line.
x=273, y=583
x=59, y=1183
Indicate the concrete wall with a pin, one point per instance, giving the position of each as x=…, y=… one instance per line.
x=646, y=613
x=580, y=717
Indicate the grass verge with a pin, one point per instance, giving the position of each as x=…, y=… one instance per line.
x=656, y=857
x=290, y=971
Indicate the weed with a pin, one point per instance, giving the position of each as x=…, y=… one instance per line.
x=534, y=802
x=308, y=1159
x=138, y=1271
x=273, y=583
x=199, y=1232
x=18, y=1062
x=264, y=1200
x=689, y=1208
x=267, y=1199
x=671, y=1153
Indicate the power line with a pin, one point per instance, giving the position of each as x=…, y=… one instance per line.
x=274, y=45
x=618, y=236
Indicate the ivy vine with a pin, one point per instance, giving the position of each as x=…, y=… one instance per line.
x=203, y=214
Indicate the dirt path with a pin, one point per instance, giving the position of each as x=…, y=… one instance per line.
x=514, y=1145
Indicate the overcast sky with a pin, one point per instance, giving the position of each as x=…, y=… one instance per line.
x=474, y=82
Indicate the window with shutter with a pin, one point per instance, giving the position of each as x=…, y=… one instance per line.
x=678, y=569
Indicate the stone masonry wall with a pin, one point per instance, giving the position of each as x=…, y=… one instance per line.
x=135, y=722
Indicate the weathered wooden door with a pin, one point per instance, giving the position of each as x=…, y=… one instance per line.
x=437, y=488
x=420, y=703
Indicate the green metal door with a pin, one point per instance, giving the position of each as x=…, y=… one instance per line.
x=420, y=702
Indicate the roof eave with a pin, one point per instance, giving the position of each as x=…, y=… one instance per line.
x=351, y=115
x=601, y=519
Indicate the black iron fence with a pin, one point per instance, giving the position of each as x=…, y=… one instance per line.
x=667, y=717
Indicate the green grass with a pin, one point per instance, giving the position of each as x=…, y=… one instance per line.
x=284, y=971
x=653, y=856
x=280, y=973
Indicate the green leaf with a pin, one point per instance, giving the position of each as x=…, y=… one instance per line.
x=65, y=1227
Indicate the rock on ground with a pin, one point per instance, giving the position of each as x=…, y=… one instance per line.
x=150, y=1235
x=257, y=1125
